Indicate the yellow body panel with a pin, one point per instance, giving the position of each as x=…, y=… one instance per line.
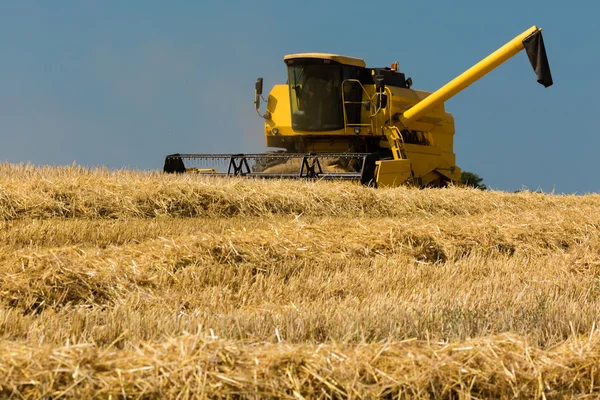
x=392, y=173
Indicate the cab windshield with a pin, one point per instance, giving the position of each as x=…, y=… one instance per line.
x=316, y=97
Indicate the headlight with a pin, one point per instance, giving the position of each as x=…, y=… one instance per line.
x=275, y=131
x=357, y=130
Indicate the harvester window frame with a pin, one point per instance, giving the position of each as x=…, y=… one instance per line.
x=328, y=113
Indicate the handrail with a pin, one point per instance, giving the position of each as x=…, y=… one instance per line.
x=370, y=98
x=344, y=102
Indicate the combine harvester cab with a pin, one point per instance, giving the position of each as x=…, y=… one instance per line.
x=336, y=119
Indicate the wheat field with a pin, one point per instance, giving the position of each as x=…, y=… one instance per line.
x=125, y=284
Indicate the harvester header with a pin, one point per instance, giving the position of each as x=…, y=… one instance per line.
x=335, y=118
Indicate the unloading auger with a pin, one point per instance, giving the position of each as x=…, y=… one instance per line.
x=336, y=119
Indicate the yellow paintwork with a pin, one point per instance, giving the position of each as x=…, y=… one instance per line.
x=428, y=159
x=355, y=62
x=392, y=173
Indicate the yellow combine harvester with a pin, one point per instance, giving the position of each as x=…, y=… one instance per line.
x=339, y=119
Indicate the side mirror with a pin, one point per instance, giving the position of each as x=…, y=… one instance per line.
x=258, y=87
x=379, y=84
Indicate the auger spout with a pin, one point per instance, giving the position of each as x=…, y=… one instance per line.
x=536, y=55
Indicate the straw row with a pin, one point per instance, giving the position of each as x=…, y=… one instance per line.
x=197, y=366
x=314, y=280
x=29, y=192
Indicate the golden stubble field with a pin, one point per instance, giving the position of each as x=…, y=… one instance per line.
x=141, y=285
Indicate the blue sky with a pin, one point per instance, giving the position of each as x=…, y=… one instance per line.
x=122, y=84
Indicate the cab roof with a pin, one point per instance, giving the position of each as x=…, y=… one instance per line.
x=355, y=62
